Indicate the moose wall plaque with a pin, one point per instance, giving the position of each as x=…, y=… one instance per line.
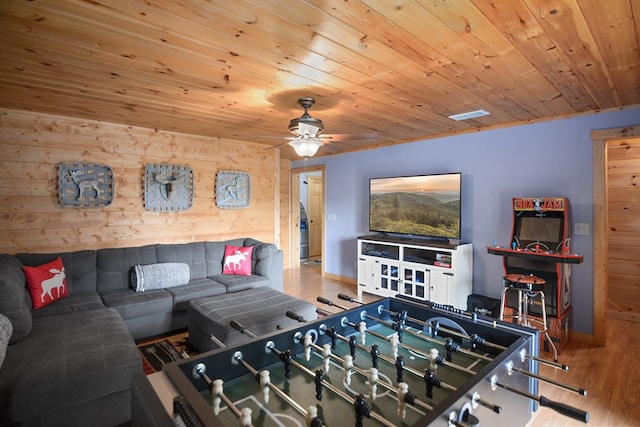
x=168, y=188
x=85, y=185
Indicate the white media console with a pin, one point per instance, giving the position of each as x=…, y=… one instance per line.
x=439, y=272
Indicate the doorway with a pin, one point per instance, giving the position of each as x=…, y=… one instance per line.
x=600, y=139
x=308, y=192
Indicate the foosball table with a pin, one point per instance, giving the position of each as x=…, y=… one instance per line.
x=393, y=362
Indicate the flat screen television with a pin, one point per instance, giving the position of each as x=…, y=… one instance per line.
x=425, y=206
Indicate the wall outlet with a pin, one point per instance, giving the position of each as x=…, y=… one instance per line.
x=581, y=228
x=331, y=217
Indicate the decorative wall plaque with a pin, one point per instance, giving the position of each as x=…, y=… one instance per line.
x=85, y=185
x=168, y=187
x=233, y=189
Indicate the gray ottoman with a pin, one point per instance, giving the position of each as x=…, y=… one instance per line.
x=261, y=310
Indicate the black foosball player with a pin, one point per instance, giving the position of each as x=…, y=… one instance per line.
x=476, y=340
x=400, y=323
x=375, y=354
x=285, y=357
x=400, y=369
x=451, y=347
x=363, y=409
x=331, y=333
x=353, y=344
x=430, y=380
x=318, y=380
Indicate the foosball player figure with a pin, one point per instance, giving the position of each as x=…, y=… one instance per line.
x=476, y=341
x=331, y=333
x=375, y=354
x=430, y=380
x=404, y=397
x=373, y=383
x=318, y=380
x=348, y=368
x=353, y=344
x=451, y=347
x=399, y=325
x=362, y=409
x=285, y=357
x=312, y=418
x=394, y=340
x=400, y=369
x=435, y=327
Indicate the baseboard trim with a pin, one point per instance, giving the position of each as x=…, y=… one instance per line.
x=344, y=279
x=581, y=336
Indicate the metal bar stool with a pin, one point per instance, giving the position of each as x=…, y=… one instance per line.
x=528, y=287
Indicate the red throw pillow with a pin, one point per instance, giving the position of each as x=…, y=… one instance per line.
x=46, y=283
x=237, y=260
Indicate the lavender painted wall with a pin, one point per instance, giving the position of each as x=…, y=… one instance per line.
x=550, y=159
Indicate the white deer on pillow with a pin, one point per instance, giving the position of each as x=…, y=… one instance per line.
x=235, y=260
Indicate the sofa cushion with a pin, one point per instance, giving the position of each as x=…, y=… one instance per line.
x=159, y=276
x=78, y=357
x=197, y=288
x=46, y=283
x=15, y=302
x=192, y=254
x=214, y=255
x=71, y=304
x=237, y=260
x=236, y=283
x=6, y=330
x=114, y=265
x=130, y=303
x=79, y=268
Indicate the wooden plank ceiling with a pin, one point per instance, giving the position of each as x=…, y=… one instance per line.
x=396, y=68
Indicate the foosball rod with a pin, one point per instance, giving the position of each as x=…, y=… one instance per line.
x=440, y=360
x=389, y=360
x=525, y=355
x=510, y=368
x=562, y=408
x=237, y=357
x=271, y=347
x=363, y=373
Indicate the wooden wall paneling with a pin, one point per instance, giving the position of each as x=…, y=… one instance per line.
x=32, y=146
x=624, y=228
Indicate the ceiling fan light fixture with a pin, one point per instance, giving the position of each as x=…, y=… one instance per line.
x=306, y=147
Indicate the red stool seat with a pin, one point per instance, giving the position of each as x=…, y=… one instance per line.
x=522, y=281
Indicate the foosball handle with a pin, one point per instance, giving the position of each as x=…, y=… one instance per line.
x=569, y=411
x=295, y=316
x=324, y=300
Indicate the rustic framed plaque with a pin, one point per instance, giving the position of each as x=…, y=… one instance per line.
x=168, y=187
x=85, y=185
x=233, y=190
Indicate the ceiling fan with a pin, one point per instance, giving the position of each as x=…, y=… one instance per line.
x=308, y=136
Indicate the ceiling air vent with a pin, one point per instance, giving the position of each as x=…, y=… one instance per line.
x=469, y=115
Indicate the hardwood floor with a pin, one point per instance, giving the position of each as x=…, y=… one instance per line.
x=611, y=374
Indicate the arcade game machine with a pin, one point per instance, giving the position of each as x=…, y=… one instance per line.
x=541, y=247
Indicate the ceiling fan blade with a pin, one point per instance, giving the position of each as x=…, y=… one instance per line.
x=350, y=136
x=264, y=136
x=271, y=147
x=306, y=129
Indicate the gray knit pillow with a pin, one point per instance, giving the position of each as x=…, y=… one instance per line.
x=159, y=276
x=6, y=330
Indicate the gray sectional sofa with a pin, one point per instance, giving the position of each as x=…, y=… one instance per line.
x=71, y=362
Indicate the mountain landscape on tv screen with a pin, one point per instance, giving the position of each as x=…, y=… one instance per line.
x=423, y=214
